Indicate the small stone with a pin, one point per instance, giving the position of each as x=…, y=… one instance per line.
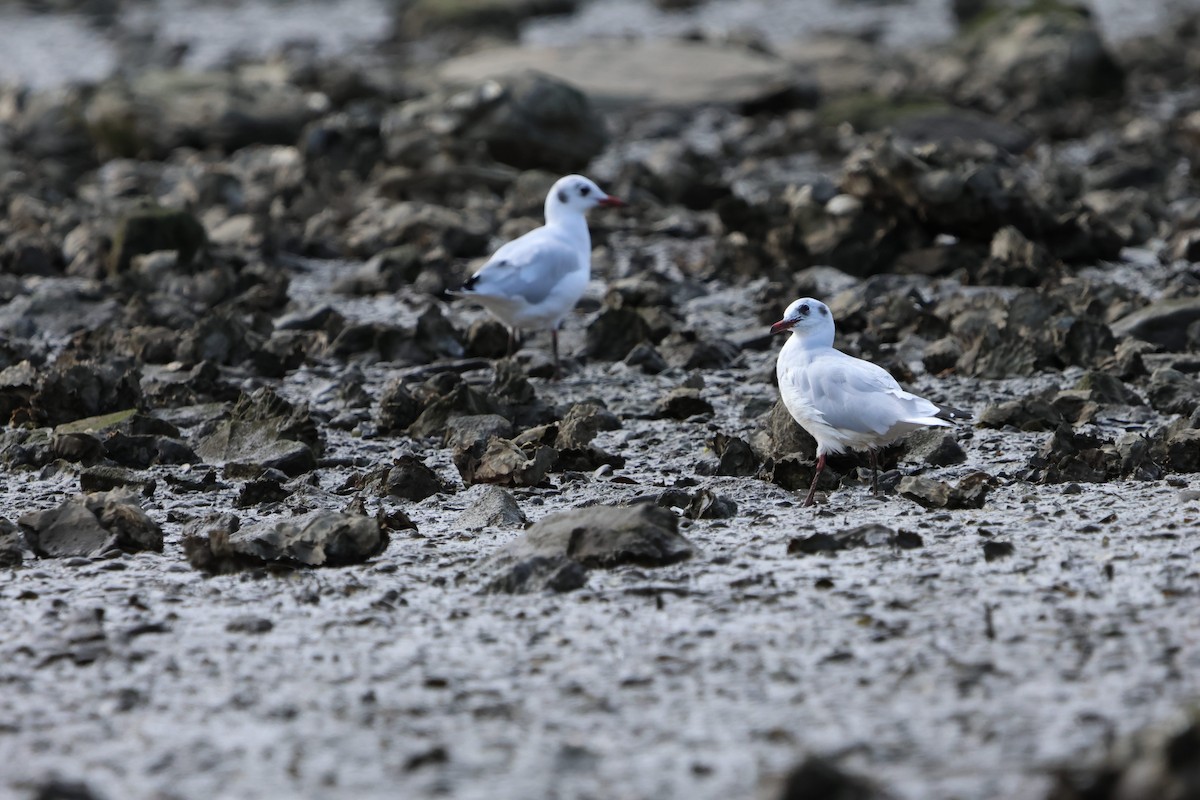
x=933, y=446
x=249, y=624
x=490, y=506
x=873, y=535
x=682, y=403
x=993, y=550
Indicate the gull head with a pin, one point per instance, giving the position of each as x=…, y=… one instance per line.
x=577, y=194
x=808, y=319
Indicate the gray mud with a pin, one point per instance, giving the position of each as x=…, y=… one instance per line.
x=934, y=671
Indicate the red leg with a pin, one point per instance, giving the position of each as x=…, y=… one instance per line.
x=812, y=490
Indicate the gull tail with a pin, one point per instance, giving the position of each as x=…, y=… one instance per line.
x=468, y=287
x=951, y=414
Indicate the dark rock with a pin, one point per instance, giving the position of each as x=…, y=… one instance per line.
x=102, y=478
x=487, y=338
x=529, y=121
x=398, y=408
x=89, y=525
x=737, y=458
x=80, y=448
x=408, y=478
x=1040, y=56
x=780, y=436
x=72, y=390
x=424, y=17
x=581, y=424
x=817, y=778
x=940, y=356
x=249, y=624
x=862, y=536
x=1172, y=392
x=971, y=491
x=436, y=335
x=1016, y=261
x=1183, y=451
x=263, y=432
x=258, y=492
x=539, y=574
x=933, y=446
x=1073, y=457
x=1157, y=763
x=687, y=351
x=599, y=536
x=1029, y=414
x=1107, y=389
x=614, y=333
x=321, y=538
x=1164, y=323
x=505, y=463
x=706, y=504
x=61, y=789
x=11, y=552
x=151, y=228
x=450, y=396
x=681, y=403
x=646, y=358
x=993, y=550
x=490, y=506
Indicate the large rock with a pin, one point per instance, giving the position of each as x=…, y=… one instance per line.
x=596, y=537
x=159, y=111
x=490, y=506
x=150, y=228
x=263, y=432
x=217, y=543
x=528, y=120
x=89, y=525
x=659, y=72
x=1164, y=323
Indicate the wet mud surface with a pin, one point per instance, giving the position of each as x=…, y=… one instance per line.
x=278, y=520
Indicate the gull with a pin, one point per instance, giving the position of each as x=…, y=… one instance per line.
x=845, y=403
x=534, y=281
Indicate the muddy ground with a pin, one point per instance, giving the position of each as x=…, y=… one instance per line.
x=1007, y=648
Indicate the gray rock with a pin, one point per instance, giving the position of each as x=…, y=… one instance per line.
x=321, y=538
x=970, y=492
x=89, y=525
x=102, y=478
x=736, y=457
x=780, y=436
x=11, y=553
x=263, y=432
x=581, y=423
x=1183, y=450
x=681, y=403
x=863, y=536
x=407, y=478
x=507, y=464
x=596, y=537
x=662, y=72
x=490, y=506
x=528, y=120
x=614, y=333
x=150, y=229
x=933, y=446
x=1164, y=323
x=1172, y=392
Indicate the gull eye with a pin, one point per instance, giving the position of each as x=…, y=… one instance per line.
x=584, y=190
x=803, y=309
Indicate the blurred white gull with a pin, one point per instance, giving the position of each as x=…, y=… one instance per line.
x=845, y=403
x=534, y=281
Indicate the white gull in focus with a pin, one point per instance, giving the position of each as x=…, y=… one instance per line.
x=534, y=281
x=845, y=403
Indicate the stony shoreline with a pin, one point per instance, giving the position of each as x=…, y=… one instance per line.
x=279, y=520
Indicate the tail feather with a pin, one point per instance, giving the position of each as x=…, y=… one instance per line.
x=952, y=414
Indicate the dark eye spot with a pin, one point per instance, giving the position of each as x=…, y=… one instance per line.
x=562, y=195
x=583, y=191
x=823, y=311
x=803, y=309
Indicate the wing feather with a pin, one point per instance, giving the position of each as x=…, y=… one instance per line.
x=529, y=268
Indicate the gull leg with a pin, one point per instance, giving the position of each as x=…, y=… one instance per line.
x=554, y=347
x=874, y=470
x=512, y=342
x=812, y=490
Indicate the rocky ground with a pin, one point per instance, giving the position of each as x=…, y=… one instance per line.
x=279, y=519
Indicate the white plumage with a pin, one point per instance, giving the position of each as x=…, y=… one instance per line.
x=845, y=403
x=534, y=281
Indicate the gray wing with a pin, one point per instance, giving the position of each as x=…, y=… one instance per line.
x=529, y=268
x=856, y=395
